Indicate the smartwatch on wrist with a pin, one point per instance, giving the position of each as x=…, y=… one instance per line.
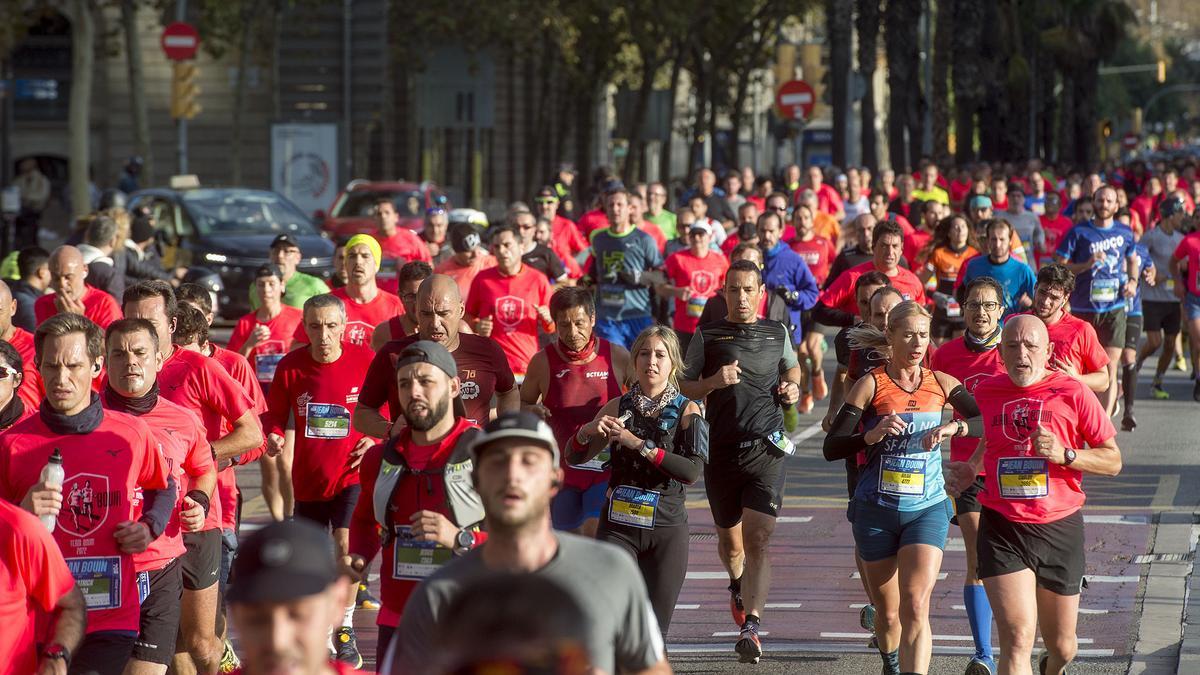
x=1068, y=457
x=464, y=541
x=57, y=651
x=648, y=449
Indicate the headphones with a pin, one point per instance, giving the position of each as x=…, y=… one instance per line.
x=96, y=368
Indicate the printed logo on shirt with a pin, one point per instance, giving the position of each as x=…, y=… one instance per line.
x=469, y=390
x=509, y=311
x=302, y=402
x=562, y=373
x=597, y=374
x=358, y=333
x=86, y=501
x=973, y=381
x=1019, y=418
x=703, y=282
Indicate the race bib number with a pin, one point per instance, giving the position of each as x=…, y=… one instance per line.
x=594, y=464
x=634, y=507
x=1171, y=284
x=1023, y=477
x=143, y=586
x=326, y=420
x=415, y=560
x=265, y=364
x=695, y=306
x=99, y=579
x=611, y=296
x=902, y=476
x=1104, y=290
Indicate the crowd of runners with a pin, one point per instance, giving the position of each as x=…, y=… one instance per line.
x=491, y=413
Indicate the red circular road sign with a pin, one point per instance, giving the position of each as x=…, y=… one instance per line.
x=795, y=100
x=1130, y=141
x=180, y=41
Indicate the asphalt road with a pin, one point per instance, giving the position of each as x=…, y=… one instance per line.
x=811, y=621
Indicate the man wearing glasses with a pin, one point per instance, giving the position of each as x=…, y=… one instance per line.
x=565, y=240
x=297, y=286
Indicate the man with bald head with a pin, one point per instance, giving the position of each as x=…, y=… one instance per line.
x=482, y=365
x=31, y=390
x=71, y=295
x=1043, y=430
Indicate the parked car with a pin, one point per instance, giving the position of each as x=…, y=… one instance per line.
x=353, y=210
x=229, y=230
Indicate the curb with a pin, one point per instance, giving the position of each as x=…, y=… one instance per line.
x=1166, y=644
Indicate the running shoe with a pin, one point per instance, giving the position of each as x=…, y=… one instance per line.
x=1196, y=391
x=1128, y=423
x=346, y=645
x=805, y=405
x=1181, y=363
x=735, y=606
x=365, y=600
x=1158, y=392
x=819, y=389
x=749, y=647
x=981, y=665
x=866, y=618
x=229, y=660
x=1042, y=665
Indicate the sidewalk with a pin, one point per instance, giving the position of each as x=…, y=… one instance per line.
x=1167, y=599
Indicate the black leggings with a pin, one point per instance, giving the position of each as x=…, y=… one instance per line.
x=662, y=556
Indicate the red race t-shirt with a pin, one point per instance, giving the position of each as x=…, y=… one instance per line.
x=1020, y=485
x=591, y=221
x=511, y=303
x=1189, y=249
x=1054, y=229
x=463, y=275
x=414, y=493
x=239, y=369
x=361, y=317
x=32, y=391
x=322, y=398
x=33, y=578
x=703, y=277
x=840, y=294
x=1074, y=341
x=818, y=253
x=267, y=353
x=181, y=437
x=970, y=368
x=103, y=469
x=404, y=244
x=482, y=369
x=913, y=245
x=98, y=306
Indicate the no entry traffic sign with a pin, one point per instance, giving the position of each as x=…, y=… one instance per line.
x=795, y=100
x=180, y=41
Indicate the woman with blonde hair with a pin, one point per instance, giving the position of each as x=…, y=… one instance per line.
x=659, y=443
x=900, y=511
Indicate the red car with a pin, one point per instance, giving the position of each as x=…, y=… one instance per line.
x=353, y=210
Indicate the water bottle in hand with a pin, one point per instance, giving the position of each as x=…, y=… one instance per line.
x=52, y=474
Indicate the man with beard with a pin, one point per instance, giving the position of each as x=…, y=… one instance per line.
x=482, y=368
x=420, y=480
x=516, y=472
x=567, y=384
x=367, y=305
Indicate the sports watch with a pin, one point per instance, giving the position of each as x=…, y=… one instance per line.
x=648, y=448
x=1068, y=457
x=57, y=651
x=464, y=541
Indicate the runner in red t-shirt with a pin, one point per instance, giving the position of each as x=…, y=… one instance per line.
x=132, y=388
x=565, y=239
x=567, y=384
x=71, y=294
x=106, y=456
x=263, y=336
x=694, y=275
x=396, y=242
x=482, y=366
x=366, y=305
x=318, y=389
x=31, y=390
x=817, y=251
x=469, y=257
x=202, y=386
x=510, y=302
x=886, y=245
x=404, y=323
x=34, y=582
x=1054, y=225
x=1042, y=431
x=421, y=528
x=1075, y=348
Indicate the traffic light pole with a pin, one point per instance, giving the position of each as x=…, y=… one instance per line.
x=181, y=124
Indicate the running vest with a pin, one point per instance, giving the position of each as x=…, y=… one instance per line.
x=464, y=504
x=634, y=479
x=575, y=393
x=900, y=474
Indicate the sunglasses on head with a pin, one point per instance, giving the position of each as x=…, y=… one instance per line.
x=7, y=371
x=434, y=210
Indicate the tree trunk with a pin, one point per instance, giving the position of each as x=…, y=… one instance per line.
x=633, y=134
x=1086, y=138
x=1066, y=117
x=736, y=112
x=664, y=163
x=868, y=32
x=968, y=76
x=939, y=98
x=245, y=44
x=137, y=90
x=839, y=22
x=994, y=75
x=700, y=86
x=83, y=52
x=901, y=39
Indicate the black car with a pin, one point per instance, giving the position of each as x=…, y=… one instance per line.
x=229, y=230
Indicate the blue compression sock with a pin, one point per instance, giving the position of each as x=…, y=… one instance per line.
x=979, y=615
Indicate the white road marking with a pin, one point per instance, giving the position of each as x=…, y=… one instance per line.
x=783, y=605
x=1082, y=610
x=734, y=633
x=780, y=646
x=941, y=576
x=1102, y=579
x=707, y=575
x=1107, y=519
x=794, y=519
x=678, y=607
x=940, y=638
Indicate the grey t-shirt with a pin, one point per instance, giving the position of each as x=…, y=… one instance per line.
x=1027, y=226
x=623, y=634
x=1161, y=247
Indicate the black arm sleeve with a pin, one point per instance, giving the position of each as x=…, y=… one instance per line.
x=157, y=506
x=832, y=317
x=964, y=404
x=683, y=469
x=842, y=441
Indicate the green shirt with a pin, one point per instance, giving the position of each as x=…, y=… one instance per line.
x=665, y=220
x=296, y=290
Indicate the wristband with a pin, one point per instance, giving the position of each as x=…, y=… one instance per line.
x=582, y=438
x=201, y=498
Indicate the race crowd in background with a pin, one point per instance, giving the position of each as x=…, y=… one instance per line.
x=490, y=413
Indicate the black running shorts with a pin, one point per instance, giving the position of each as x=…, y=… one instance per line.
x=161, y=611
x=1053, y=551
x=202, y=562
x=756, y=485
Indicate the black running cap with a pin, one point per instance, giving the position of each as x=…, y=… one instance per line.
x=282, y=562
x=285, y=240
x=428, y=351
x=521, y=424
